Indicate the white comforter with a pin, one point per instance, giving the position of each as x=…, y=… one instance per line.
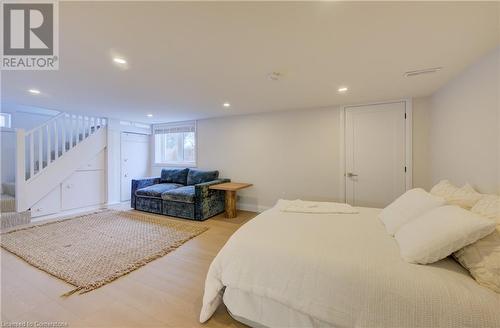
x=302, y=206
x=343, y=270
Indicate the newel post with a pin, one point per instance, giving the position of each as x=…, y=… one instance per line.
x=20, y=170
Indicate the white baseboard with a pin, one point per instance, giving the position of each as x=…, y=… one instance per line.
x=63, y=214
x=252, y=207
x=117, y=203
x=83, y=210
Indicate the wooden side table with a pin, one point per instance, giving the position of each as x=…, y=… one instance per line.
x=230, y=200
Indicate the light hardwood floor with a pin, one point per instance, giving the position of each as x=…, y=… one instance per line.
x=164, y=293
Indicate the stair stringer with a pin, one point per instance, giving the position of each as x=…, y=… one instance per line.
x=28, y=193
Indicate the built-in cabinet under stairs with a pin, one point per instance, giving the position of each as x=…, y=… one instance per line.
x=48, y=156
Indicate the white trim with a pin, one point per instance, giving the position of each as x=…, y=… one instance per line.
x=342, y=185
x=186, y=164
x=154, y=163
x=408, y=142
x=69, y=213
x=252, y=207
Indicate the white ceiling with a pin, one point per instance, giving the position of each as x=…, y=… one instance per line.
x=186, y=59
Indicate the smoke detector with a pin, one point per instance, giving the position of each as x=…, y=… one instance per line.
x=422, y=71
x=274, y=76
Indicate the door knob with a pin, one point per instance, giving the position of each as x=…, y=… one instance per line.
x=351, y=175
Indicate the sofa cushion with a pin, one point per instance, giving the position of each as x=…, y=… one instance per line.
x=174, y=176
x=198, y=176
x=182, y=194
x=156, y=190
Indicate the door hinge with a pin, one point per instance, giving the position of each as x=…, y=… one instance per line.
x=405, y=168
x=405, y=116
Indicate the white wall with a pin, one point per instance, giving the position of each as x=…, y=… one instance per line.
x=464, y=133
x=8, y=151
x=289, y=154
x=421, y=154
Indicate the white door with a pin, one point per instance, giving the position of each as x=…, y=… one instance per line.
x=375, y=152
x=134, y=160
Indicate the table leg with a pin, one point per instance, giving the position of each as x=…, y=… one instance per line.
x=230, y=202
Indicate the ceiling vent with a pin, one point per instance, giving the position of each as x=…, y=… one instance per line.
x=422, y=71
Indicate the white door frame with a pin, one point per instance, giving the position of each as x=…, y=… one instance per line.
x=408, y=143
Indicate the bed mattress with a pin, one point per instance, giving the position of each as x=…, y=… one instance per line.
x=338, y=270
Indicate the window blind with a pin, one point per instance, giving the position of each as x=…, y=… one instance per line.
x=174, y=128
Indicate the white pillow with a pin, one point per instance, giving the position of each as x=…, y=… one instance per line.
x=410, y=205
x=489, y=206
x=465, y=197
x=440, y=232
x=482, y=258
x=444, y=189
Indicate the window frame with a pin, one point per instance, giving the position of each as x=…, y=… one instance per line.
x=175, y=164
x=8, y=120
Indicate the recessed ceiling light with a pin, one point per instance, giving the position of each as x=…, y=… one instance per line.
x=34, y=91
x=119, y=60
x=150, y=115
x=342, y=89
x=422, y=71
x=226, y=104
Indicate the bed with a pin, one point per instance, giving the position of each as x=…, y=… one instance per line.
x=338, y=270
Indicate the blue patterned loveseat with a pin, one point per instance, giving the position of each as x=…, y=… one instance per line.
x=182, y=193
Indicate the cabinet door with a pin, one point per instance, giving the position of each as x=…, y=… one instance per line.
x=49, y=204
x=83, y=188
x=96, y=163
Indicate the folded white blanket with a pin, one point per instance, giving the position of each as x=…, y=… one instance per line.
x=301, y=206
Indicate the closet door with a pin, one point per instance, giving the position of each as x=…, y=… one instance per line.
x=134, y=160
x=375, y=146
x=82, y=189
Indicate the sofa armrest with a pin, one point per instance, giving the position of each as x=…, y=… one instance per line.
x=201, y=190
x=141, y=183
x=208, y=202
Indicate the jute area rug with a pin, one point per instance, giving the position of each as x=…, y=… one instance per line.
x=92, y=250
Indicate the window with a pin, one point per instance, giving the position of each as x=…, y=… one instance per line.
x=175, y=143
x=4, y=120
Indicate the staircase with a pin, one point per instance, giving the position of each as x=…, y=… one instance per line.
x=8, y=215
x=48, y=154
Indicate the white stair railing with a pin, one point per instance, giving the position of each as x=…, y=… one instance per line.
x=40, y=147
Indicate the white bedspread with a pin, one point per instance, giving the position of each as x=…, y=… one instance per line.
x=302, y=206
x=343, y=270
